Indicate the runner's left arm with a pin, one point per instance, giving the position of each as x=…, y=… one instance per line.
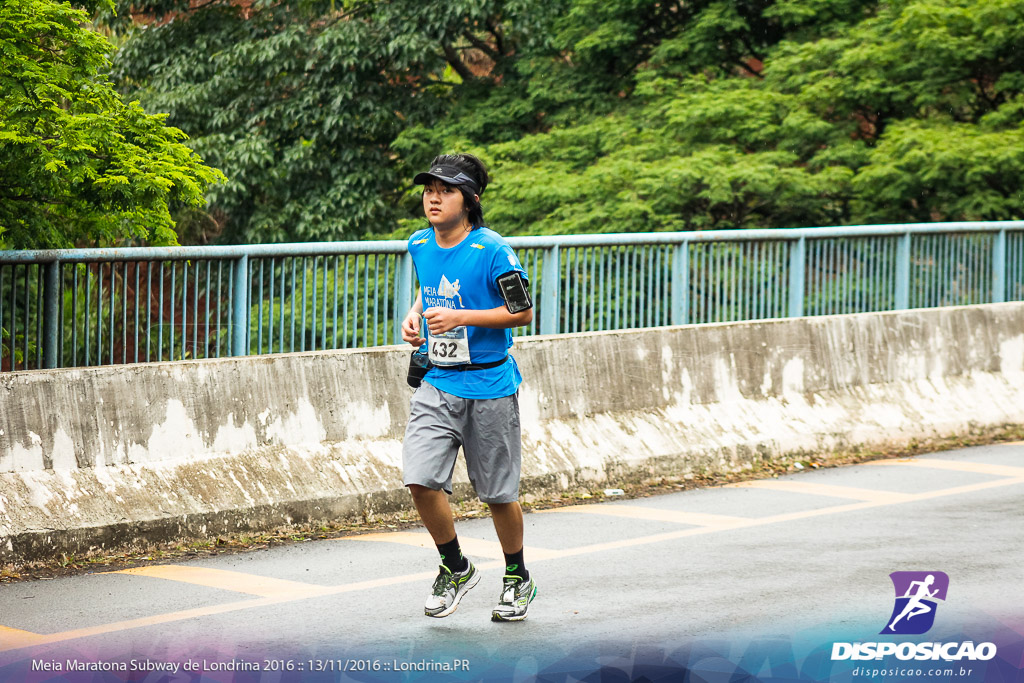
x=503, y=259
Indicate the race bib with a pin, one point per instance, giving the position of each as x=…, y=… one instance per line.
x=450, y=348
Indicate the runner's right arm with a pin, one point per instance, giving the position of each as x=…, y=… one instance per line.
x=411, y=324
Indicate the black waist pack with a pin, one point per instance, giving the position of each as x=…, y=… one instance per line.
x=419, y=363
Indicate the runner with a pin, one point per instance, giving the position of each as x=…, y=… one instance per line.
x=914, y=606
x=473, y=290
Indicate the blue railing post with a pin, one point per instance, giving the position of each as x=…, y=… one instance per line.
x=403, y=297
x=797, y=271
x=902, y=301
x=550, y=289
x=999, y=268
x=681, y=284
x=240, y=306
x=51, y=309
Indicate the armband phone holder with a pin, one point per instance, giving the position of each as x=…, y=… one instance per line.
x=515, y=291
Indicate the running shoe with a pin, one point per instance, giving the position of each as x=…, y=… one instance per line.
x=516, y=596
x=448, y=590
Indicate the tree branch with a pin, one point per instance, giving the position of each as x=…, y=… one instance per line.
x=746, y=67
x=452, y=58
x=750, y=48
x=499, y=35
x=482, y=46
x=194, y=8
x=33, y=199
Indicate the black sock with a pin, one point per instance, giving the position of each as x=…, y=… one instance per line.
x=451, y=556
x=514, y=565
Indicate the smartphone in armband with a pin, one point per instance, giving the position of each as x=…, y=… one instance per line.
x=515, y=290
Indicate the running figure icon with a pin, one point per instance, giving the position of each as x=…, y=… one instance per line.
x=917, y=595
x=915, y=606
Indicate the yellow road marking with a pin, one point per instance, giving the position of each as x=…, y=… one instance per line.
x=968, y=488
x=471, y=547
x=39, y=639
x=785, y=517
x=213, y=610
x=956, y=466
x=144, y=621
x=421, y=540
x=1011, y=443
x=871, y=495
x=238, y=582
x=652, y=514
x=12, y=638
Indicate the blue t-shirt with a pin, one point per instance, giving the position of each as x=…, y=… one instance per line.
x=464, y=277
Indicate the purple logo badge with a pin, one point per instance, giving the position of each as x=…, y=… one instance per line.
x=917, y=594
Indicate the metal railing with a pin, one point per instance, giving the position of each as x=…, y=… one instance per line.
x=106, y=306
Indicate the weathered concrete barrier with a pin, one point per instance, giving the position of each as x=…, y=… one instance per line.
x=94, y=458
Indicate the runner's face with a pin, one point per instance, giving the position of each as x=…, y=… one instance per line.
x=444, y=206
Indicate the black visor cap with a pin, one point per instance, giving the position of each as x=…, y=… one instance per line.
x=446, y=174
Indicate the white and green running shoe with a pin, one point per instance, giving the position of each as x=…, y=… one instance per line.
x=516, y=596
x=449, y=589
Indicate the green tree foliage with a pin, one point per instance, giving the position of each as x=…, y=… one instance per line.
x=630, y=115
x=764, y=114
x=926, y=96
x=300, y=101
x=78, y=164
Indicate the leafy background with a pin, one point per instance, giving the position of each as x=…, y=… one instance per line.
x=593, y=116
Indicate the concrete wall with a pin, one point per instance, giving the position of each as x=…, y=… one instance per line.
x=94, y=458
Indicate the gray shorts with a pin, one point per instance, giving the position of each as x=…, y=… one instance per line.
x=487, y=430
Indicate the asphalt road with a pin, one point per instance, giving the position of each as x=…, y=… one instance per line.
x=754, y=579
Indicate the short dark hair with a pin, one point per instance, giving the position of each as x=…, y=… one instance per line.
x=475, y=169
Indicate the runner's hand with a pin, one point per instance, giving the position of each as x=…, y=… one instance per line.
x=411, y=329
x=441, y=320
